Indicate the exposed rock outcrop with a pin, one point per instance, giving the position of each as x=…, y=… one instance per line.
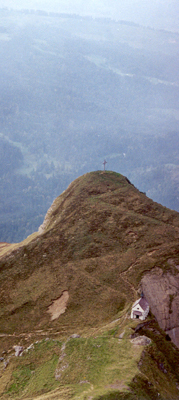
x=162, y=293
x=141, y=341
x=18, y=350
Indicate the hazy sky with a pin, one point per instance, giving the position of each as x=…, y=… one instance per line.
x=158, y=13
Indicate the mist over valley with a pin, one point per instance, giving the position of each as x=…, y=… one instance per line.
x=77, y=90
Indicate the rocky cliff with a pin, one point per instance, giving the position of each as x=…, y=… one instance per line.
x=162, y=292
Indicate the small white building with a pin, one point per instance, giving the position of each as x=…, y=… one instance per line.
x=140, y=309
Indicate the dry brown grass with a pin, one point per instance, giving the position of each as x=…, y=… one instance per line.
x=99, y=238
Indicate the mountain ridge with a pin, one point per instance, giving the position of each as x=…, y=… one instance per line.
x=102, y=242
x=100, y=220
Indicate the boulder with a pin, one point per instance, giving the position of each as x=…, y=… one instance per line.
x=18, y=350
x=141, y=341
x=75, y=336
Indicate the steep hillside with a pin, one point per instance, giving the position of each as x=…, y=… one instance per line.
x=101, y=243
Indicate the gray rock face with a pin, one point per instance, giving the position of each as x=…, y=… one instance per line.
x=174, y=335
x=162, y=293
x=141, y=341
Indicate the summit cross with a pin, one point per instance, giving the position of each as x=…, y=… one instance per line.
x=104, y=163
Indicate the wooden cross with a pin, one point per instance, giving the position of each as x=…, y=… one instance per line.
x=104, y=163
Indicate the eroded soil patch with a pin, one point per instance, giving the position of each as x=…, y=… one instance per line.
x=59, y=306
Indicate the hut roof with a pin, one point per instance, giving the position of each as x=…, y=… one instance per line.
x=142, y=302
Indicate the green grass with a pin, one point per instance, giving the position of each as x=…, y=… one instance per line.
x=89, y=365
x=97, y=363
x=34, y=372
x=21, y=377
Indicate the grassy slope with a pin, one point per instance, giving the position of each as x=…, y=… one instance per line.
x=98, y=238
x=97, y=365
x=97, y=243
